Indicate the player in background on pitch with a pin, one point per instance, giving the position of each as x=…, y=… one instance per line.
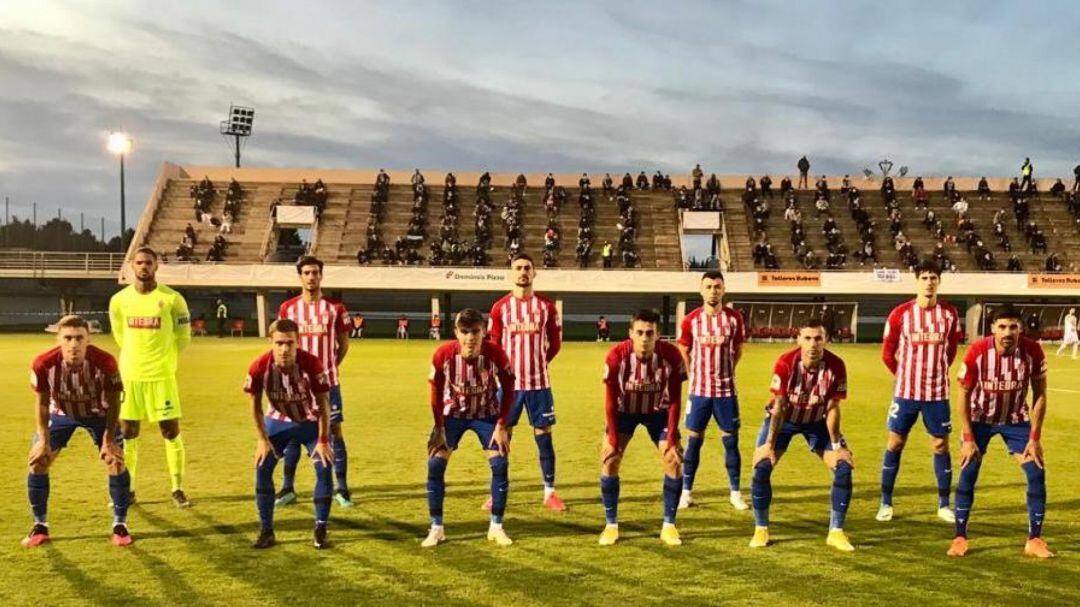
x=151, y=324
x=324, y=332
x=710, y=341
x=527, y=327
x=467, y=375
x=297, y=387
x=1069, y=337
x=643, y=379
x=995, y=376
x=921, y=338
x=808, y=384
x=77, y=386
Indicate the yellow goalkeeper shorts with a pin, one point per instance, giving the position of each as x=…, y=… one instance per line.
x=151, y=401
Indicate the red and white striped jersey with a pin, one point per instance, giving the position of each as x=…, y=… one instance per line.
x=320, y=323
x=291, y=391
x=644, y=386
x=999, y=382
x=530, y=332
x=713, y=341
x=808, y=391
x=77, y=391
x=467, y=388
x=919, y=345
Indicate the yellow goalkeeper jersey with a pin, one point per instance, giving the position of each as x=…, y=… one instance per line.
x=151, y=329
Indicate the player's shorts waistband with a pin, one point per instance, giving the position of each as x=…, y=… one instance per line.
x=912, y=401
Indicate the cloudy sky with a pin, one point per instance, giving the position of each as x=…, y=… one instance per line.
x=944, y=87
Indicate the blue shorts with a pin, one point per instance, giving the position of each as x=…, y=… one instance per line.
x=935, y=416
x=484, y=429
x=61, y=427
x=655, y=423
x=1015, y=435
x=724, y=409
x=815, y=433
x=282, y=432
x=336, y=415
x=540, y=405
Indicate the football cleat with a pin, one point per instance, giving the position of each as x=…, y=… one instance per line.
x=884, y=513
x=320, y=536
x=670, y=535
x=553, y=503
x=737, y=501
x=266, y=540
x=946, y=514
x=284, y=498
x=498, y=535
x=1037, y=548
x=686, y=500
x=343, y=499
x=38, y=535
x=609, y=535
x=180, y=499
x=486, y=507
x=839, y=540
x=120, y=535
x=435, y=536
x=959, y=546
x=761, y=537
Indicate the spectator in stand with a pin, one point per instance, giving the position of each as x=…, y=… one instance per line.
x=607, y=253
x=642, y=181
x=608, y=184
x=984, y=189
x=417, y=178
x=521, y=184
x=226, y=223
x=584, y=184
x=822, y=205
x=189, y=232
x=1058, y=189
x=822, y=187
x=760, y=251
x=382, y=180
x=1038, y=242
x=845, y=186
x=627, y=182
x=1034, y=325
x=804, y=170
x=697, y=174
x=960, y=207
x=1027, y=171
x=792, y=214
x=785, y=186
x=483, y=186
x=658, y=181
x=450, y=182
x=949, y=189
x=1014, y=264
x=1076, y=179
x=713, y=184
x=603, y=333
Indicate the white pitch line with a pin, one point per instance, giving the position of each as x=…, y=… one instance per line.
x=1063, y=390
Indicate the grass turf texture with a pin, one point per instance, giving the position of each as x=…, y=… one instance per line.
x=202, y=555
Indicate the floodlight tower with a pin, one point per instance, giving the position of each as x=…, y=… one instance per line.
x=120, y=144
x=238, y=125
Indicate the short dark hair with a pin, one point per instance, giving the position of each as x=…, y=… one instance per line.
x=284, y=325
x=714, y=275
x=145, y=251
x=645, y=315
x=1006, y=311
x=72, y=321
x=469, y=317
x=308, y=260
x=814, y=323
x=524, y=256
x=927, y=265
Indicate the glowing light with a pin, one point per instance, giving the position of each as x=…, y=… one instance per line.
x=119, y=143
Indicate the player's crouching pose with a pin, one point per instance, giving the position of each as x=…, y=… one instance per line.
x=297, y=387
x=808, y=384
x=995, y=377
x=465, y=376
x=77, y=386
x=643, y=379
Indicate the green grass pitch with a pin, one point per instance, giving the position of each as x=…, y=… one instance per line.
x=202, y=555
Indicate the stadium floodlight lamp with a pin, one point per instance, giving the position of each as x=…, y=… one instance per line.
x=119, y=143
x=240, y=122
x=903, y=171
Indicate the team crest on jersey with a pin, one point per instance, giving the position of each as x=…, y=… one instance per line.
x=776, y=382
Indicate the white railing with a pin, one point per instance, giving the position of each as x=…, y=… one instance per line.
x=42, y=263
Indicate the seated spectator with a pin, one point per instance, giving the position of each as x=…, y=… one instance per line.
x=1014, y=264
x=845, y=185
x=1053, y=263
x=751, y=185
x=1058, y=189
x=226, y=223
x=627, y=182
x=484, y=184
x=1038, y=242
x=960, y=207
x=983, y=189
x=417, y=178
x=658, y=181
x=642, y=181
x=607, y=185
x=792, y=214
x=1014, y=189
x=949, y=189
x=930, y=219
x=765, y=184
x=785, y=186
x=822, y=187
x=760, y=251
x=630, y=258
x=584, y=183
x=521, y=184
x=713, y=184
x=822, y=205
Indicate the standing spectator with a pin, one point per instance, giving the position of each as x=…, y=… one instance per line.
x=417, y=178
x=1076, y=174
x=697, y=175
x=435, y=330
x=1026, y=171
x=222, y=315
x=604, y=334
x=984, y=189
x=804, y=170
x=606, y=253
x=403, y=327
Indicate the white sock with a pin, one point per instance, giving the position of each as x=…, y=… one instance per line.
x=612, y=525
x=548, y=491
x=494, y=526
x=667, y=524
x=435, y=527
x=686, y=493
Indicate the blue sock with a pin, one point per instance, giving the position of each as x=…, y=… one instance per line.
x=890, y=467
x=943, y=473
x=1036, y=498
x=732, y=459
x=264, y=492
x=119, y=488
x=609, y=493
x=672, y=486
x=761, y=492
x=324, y=487
x=841, y=495
x=965, y=495
x=291, y=457
x=37, y=489
x=341, y=463
x=547, y=458
x=500, y=486
x=691, y=460
x=436, y=488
